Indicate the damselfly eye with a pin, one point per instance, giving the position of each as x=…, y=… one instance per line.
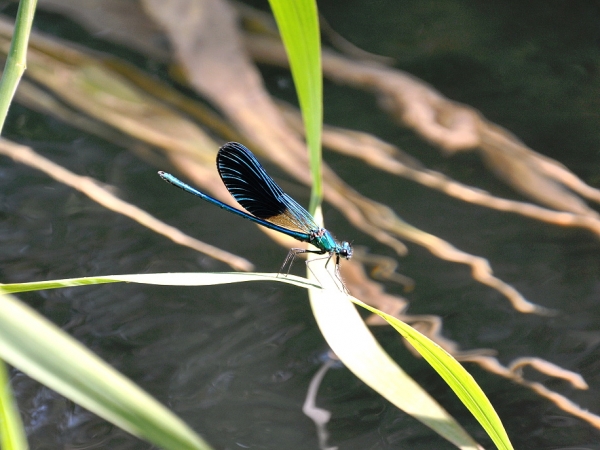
x=346, y=250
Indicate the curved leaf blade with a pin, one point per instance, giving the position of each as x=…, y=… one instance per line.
x=12, y=433
x=162, y=279
x=343, y=329
x=454, y=374
x=298, y=24
x=37, y=347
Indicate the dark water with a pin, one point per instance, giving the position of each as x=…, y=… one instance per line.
x=235, y=362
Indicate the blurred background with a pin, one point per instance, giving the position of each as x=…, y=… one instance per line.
x=106, y=97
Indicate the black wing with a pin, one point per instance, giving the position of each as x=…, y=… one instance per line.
x=251, y=186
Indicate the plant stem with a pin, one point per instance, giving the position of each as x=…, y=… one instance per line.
x=17, y=55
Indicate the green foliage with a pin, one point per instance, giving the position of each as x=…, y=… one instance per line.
x=43, y=351
x=298, y=23
x=59, y=361
x=16, y=61
x=12, y=433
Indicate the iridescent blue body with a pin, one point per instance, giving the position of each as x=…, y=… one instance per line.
x=266, y=203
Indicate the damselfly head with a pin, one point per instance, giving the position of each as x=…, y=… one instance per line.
x=346, y=250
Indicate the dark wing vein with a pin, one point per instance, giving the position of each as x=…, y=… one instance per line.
x=251, y=186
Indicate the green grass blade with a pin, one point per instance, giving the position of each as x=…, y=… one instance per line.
x=298, y=24
x=16, y=60
x=354, y=344
x=459, y=380
x=299, y=28
x=163, y=279
x=37, y=347
x=12, y=433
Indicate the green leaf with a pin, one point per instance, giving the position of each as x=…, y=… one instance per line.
x=351, y=340
x=298, y=24
x=12, y=433
x=354, y=344
x=16, y=60
x=163, y=279
x=339, y=322
x=459, y=380
x=43, y=351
